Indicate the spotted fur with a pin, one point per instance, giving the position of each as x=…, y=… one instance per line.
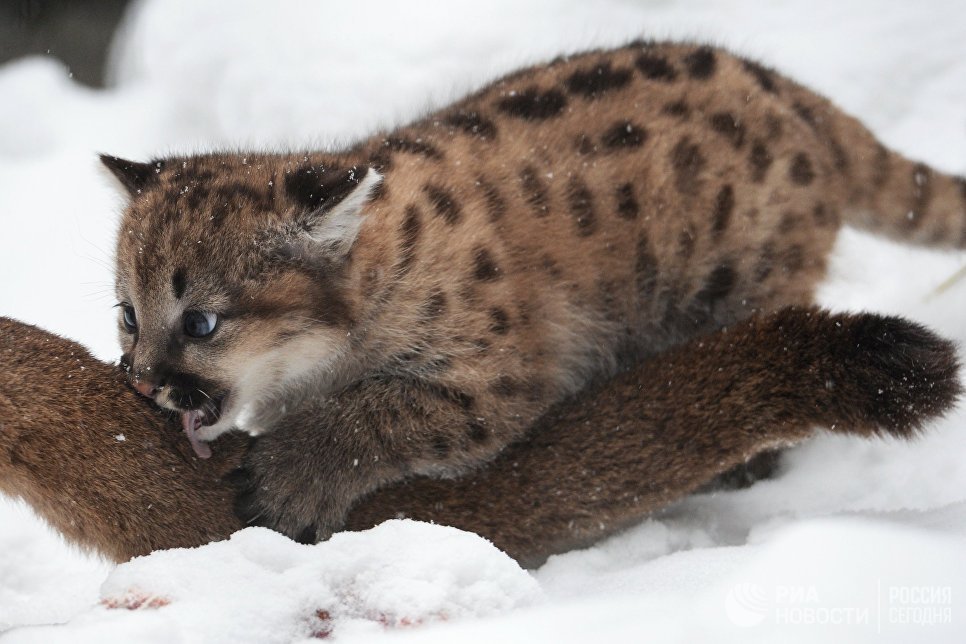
x=625, y=200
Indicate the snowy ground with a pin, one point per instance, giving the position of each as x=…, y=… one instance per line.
x=854, y=541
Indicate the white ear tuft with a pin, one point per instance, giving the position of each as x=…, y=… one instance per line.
x=336, y=229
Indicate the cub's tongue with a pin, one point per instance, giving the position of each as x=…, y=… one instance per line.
x=190, y=422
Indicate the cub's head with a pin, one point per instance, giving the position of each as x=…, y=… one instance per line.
x=230, y=278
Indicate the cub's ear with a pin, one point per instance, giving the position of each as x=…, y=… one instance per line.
x=331, y=201
x=133, y=176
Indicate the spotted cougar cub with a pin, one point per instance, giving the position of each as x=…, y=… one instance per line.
x=413, y=303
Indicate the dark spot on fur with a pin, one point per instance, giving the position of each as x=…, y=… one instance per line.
x=724, y=205
x=655, y=68
x=411, y=146
x=580, y=201
x=679, y=109
x=409, y=234
x=822, y=130
x=434, y=306
x=839, y=156
x=762, y=74
x=823, y=216
x=627, y=206
x=270, y=193
x=197, y=195
x=760, y=160
x=594, y=81
x=381, y=160
x=440, y=445
x=499, y=321
x=701, y=63
x=484, y=268
x=688, y=163
x=645, y=269
x=534, y=191
x=218, y=214
x=806, y=114
x=584, y=145
x=551, y=267
x=477, y=431
x=800, y=171
x=496, y=206
x=327, y=192
x=921, y=194
x=700, y=311
x=534, y=104
x=506, y=386
x=624, y=134
x=179, y=282
x=198, y=176
x=443, y=203
x=471, y=122
x=789, y=222
x=725, y=124
x=719, y=285
x=462, y=399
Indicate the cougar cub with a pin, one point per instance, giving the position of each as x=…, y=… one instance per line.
x=413, y=303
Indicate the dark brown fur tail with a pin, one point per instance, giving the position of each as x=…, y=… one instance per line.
x=114, y=475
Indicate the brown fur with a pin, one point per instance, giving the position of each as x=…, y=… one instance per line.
x=591, y=466
x=558, y=224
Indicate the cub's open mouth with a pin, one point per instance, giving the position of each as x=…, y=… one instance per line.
x=194, y=419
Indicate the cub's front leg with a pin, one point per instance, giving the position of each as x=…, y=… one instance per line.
x=301, y=477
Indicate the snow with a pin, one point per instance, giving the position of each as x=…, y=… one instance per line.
x=852, y=541
x=400, y=574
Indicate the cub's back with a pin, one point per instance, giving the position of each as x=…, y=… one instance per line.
x=612, y=200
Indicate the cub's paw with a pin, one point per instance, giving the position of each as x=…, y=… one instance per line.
x=286, y=492
x=896, y=375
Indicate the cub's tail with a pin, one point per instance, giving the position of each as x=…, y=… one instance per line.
x=883, y=191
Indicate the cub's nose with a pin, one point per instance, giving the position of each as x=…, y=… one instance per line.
x=145, y=388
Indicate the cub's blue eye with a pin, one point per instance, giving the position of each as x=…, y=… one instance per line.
x=198, y=324
x=130, y=320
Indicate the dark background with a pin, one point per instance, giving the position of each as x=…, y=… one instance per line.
x=77, y=32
